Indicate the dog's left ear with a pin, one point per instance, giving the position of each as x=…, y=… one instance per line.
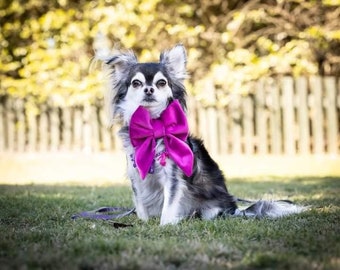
x=175, y=62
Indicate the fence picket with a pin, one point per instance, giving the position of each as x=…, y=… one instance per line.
x=20, y=125
x=288, y=115
x=332, y=121
x=32, y=128
x=66, y=128
x=77, y=129
x=203, y=124
x=261, y=118
x=10, y=125
x=211, y=117
x=192, y=116
x=248, y=124
x=302, y=115
x=317, y=115
x=43, y=129
x=236, y=122
x=87, y=132
x=223, y=131
x=94, y=129
x=54, y=129
x=2, y=128
x=275, y=118
x=104, y=132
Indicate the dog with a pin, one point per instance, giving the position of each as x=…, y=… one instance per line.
x=172, y=175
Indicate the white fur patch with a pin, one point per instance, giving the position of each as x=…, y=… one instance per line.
x=139, y=76
x=210, y=213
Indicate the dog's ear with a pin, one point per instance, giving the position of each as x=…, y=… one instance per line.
x=175, y=61
x=117, y=67
x=120, y=64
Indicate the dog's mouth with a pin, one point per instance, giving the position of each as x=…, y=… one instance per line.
x=147, y=101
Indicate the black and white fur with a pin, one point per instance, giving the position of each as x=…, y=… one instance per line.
x=167, y=192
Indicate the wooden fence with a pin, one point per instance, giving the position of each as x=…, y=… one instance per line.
x=287, y=116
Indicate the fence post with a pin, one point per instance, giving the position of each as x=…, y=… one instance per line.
x=223, y=130
x=87, y=128
x=20, y=125
x=94, y=128
x=32, y=129
x=44, y=136
x=261, y=118
x=212, y=117
x=332, y=120
x=317, y=115
x=10, y=123
x=2, y=127
x=275, y=118
x=192, y=115
x=302, y=115
x=106, y=143
x=67, y=128
x=248, y=124
x=288, y=115
x=54, y=128
x=203, y=124
x=236, y=131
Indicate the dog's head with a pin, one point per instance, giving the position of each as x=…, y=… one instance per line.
x=151, y=85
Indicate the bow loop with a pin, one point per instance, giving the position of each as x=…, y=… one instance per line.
x=172, y=126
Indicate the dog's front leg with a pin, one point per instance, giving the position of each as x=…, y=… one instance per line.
x=173, y=210
x=137, y=189
x=141, y=210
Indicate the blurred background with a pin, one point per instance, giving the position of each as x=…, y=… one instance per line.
x=264, y=90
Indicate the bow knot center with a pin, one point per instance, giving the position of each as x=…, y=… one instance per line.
x=158, y=129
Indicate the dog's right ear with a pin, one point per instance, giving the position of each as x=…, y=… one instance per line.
x=119, y=65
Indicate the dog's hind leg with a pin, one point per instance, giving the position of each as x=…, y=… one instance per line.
x=211, y=213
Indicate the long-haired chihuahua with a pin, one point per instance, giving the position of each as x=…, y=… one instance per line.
x=172, y=173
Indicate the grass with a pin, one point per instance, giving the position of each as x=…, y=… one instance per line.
x=37, y=232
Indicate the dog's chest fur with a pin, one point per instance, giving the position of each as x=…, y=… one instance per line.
x=150, y=191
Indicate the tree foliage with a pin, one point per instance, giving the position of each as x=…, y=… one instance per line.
x=47, y=46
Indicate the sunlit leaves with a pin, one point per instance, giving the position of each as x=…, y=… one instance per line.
x=47, y=46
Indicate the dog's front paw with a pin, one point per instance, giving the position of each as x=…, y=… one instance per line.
x=142, y=213
x=167, y=220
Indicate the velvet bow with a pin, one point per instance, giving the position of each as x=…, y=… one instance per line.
x=172, y=127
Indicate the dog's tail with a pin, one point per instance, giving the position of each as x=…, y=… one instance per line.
x=271, y=209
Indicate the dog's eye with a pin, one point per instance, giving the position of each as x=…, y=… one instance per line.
x=161, y=83
x=136, y=83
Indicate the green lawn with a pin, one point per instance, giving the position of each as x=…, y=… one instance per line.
x=36, y=231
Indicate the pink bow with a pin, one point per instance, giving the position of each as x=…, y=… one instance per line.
x=172, y=126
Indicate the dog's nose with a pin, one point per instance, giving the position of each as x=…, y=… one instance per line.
x=149, y=91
